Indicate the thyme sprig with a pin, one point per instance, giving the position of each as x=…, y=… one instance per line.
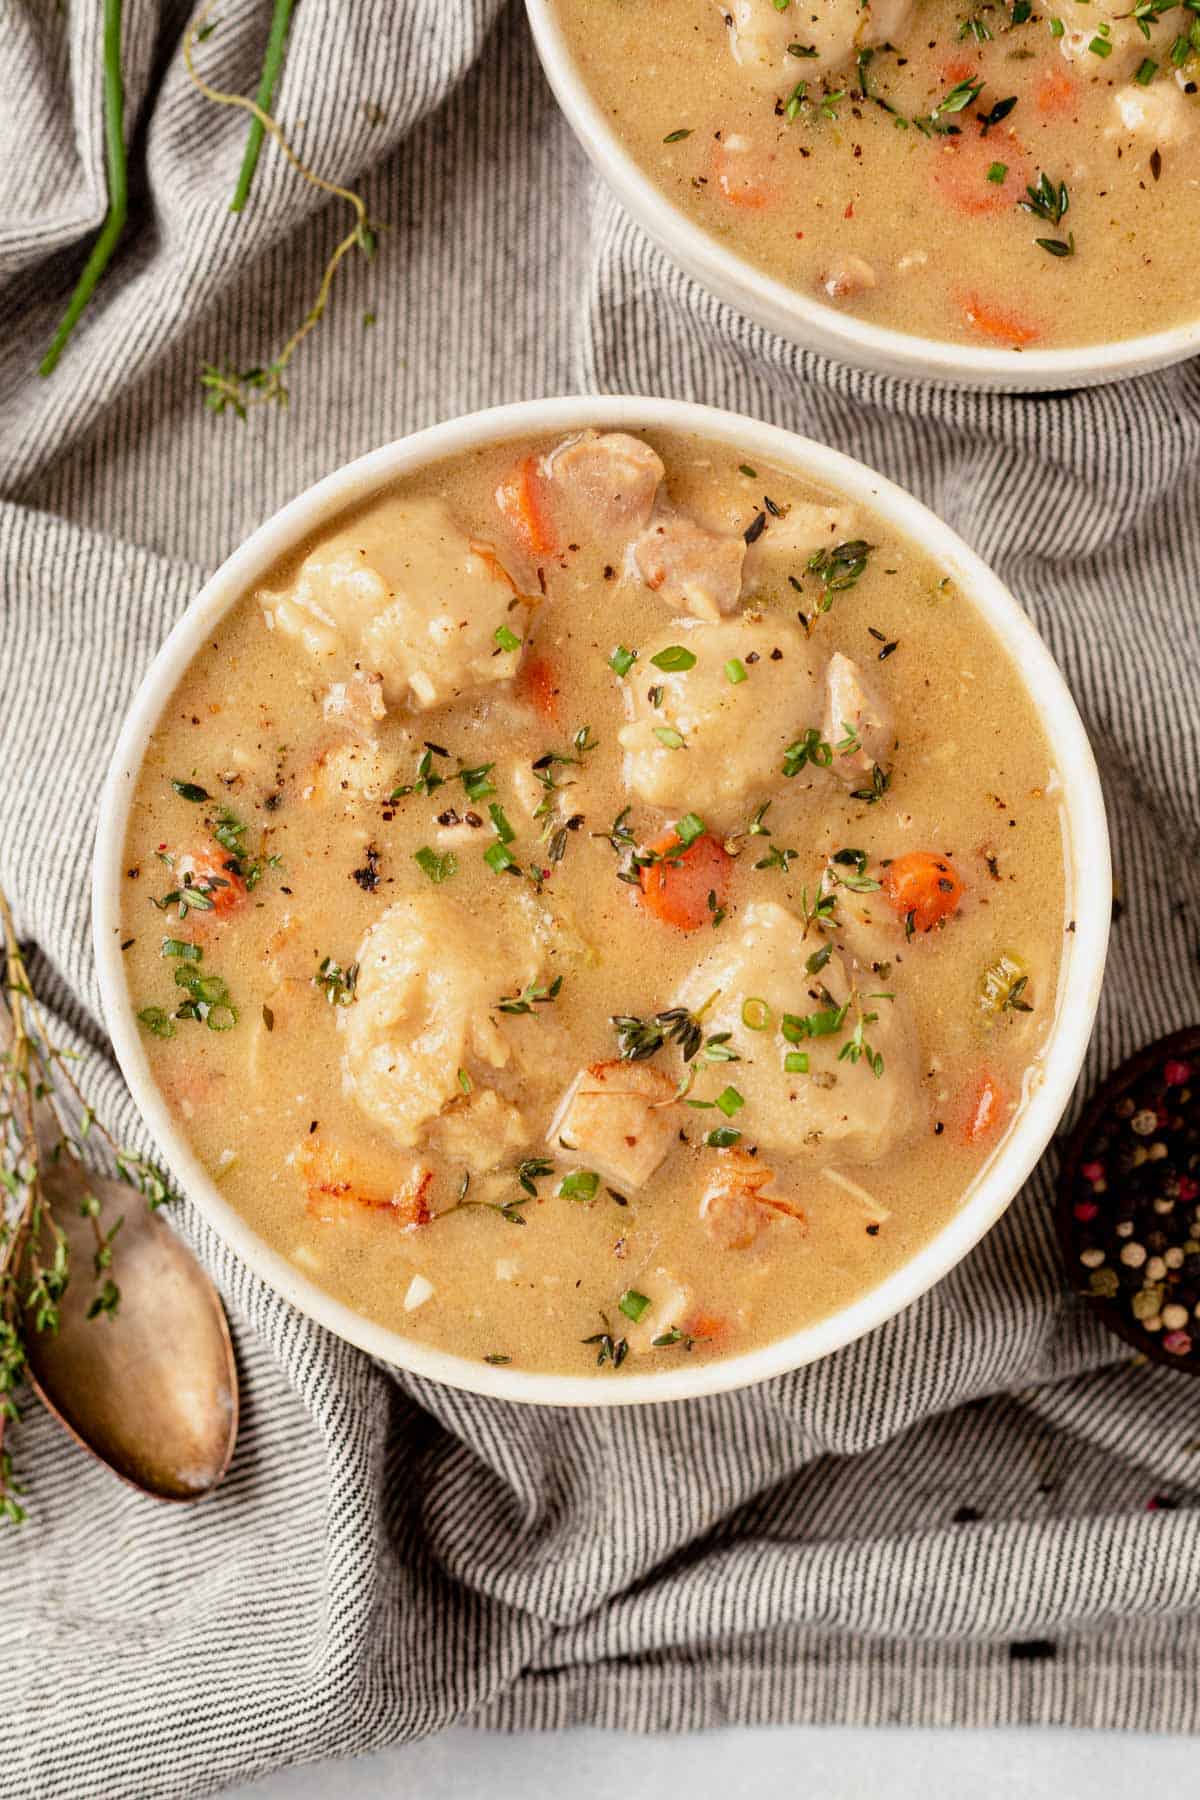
x=239, y=390
x=44, y=1123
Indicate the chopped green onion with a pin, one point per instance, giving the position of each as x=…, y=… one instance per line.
x=796, y=1062
x=1147, y=70
x=476, y=783
x=735, y=671
x=156, y=1021
x=622, y=660
x=180, y=947
x=464, y=1081
x=1100, y=46
x=668, y=736
x=498, y=857
x=674, y=659
x=438, y=868
x=633, y=1304
x=504, y=830
x=221, y=1018
x=756, y=1014
x=997, y=172
x=689, y=828
x=730, y=1102
x=1057, y=28
x=580, y=1184
x=507, y=640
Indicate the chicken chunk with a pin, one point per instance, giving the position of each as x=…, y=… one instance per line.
x=1082, y=21
x=786, y=545
x=693, y=570
x=857, y=722
x=830, y=31
x=617, y=1117
x=846, y=275
x=427, y=983
x=838, y=1107
x=403, y=595
x=735, y=1207
x=711, y=742
x=672, y=1304
x=339, y=1183
x=611, y=476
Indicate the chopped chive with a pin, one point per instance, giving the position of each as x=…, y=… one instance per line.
x=735, y=671
x=180, y=947
x=669, y=737
x=1057, y=28
x=796, y=1062
x=504, y=830
x=1147, y=70
x=756, y=1014
x=1100, y=47
x=689, y=828
x=997, y=172
x=498, y=857
x=674, y=659
x=507, y=640
x=476, y=783
x=622, y=660
x=632, y=1304
x=730, y=1102
x=438, y=868
x=580, y=1184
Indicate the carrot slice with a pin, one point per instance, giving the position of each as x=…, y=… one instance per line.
x=1004, y=326
x=677, y=888
x=537, y=683
x=1056, y=93
x=521, y=498
x=985, y=1108
x=960, y=173
x=738, y=175
x=924, y=887
x=710, y=1327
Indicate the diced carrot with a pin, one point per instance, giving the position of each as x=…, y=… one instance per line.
x=521, y=498
x=999, y=323
x=924, y=887
x=959, y=68
x=537, y=683
x=676, y=888
x=1056, y=93
x=211, y=865
x=985, y=1109
x=960, y=173
x=739, y=175
x=335, y=1184
x=710, y=1327
x=495, y=567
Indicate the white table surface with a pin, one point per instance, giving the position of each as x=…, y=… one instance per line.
x=739, y=1764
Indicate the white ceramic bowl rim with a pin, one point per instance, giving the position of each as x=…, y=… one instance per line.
x=1079, y=989
x=807, y=320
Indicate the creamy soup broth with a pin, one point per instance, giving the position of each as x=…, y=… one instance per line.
x=865, y=171
x=388, y=974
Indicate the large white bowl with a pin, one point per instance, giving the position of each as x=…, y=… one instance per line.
x=1088, y=877
x=805, y=320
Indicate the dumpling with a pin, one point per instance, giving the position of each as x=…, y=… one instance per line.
x=857, y=722
x=828, y=32
x=713, y=742
x=426, y=992
x=837, y=1109
x=404, y=595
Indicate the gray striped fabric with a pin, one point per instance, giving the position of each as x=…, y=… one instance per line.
x=961, y=1519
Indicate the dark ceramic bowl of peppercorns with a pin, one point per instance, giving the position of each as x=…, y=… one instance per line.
x=1129, y=1202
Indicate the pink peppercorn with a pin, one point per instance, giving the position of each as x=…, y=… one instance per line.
x=1085, y=1211
x=1093, y=1171
x=1178, y=1343
x=1176, y=1073
x=1188, y=1189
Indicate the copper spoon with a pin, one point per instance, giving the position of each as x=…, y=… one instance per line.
x=152, y=1390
